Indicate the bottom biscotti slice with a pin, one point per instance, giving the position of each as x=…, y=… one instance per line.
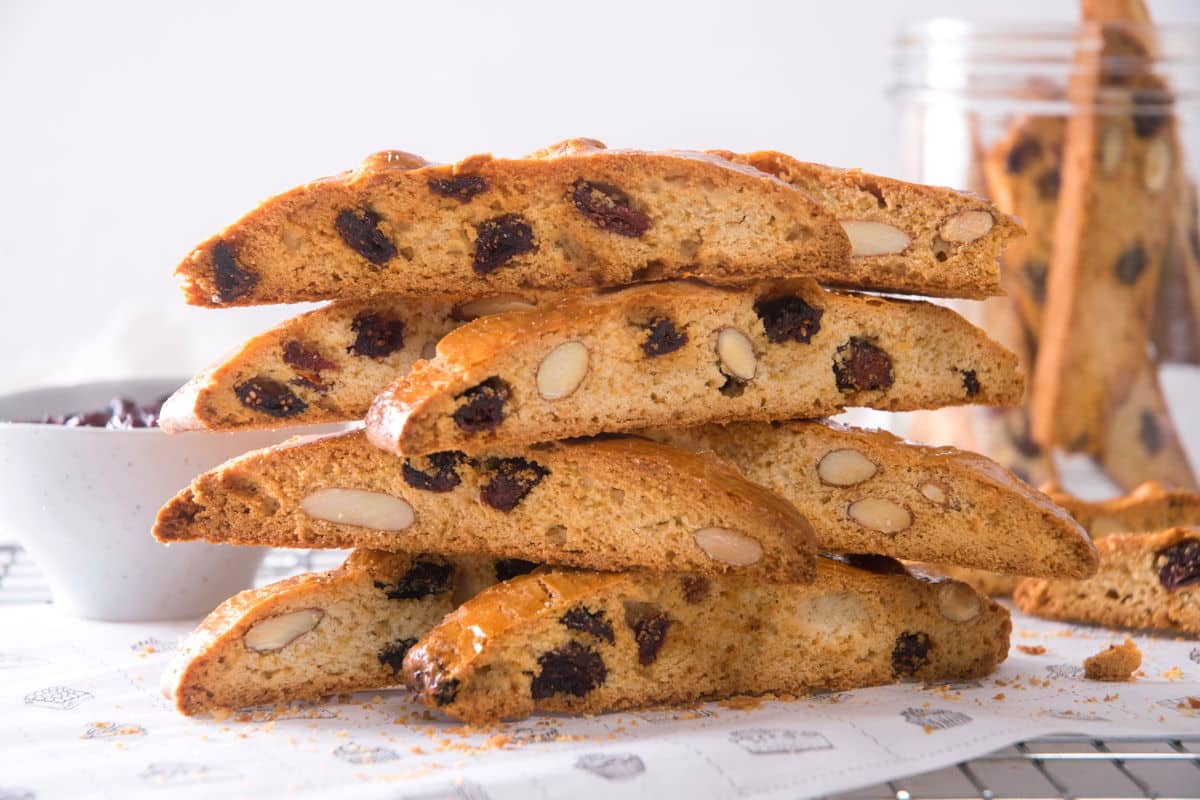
x=316, y=634
x=595, y=642
x=1146, y=580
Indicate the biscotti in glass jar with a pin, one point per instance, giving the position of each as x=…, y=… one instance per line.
x=1088, y=134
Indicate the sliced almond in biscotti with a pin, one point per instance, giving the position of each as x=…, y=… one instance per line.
x=575, y=214
x=867, y=491
x=904, y=236
x=345, y=630
x=679, y=353
x=588, y=642
x=326, y=365
x=613, y=503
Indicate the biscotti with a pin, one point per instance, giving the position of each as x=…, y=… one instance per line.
x=594, y=642
x=1146, y=580
x=317, y=634
x=326, y=365
x=575, y=214
x=1141, y=442
x=869, y=492
x=613, y=503
x=932, y=240
x=677, y=353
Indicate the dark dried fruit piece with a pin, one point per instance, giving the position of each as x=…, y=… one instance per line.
x=507, y=568
x=1026, y=149
x=1150, y=433
x=1048, y=183
x=573, y=669
x=649, y=626
x=695, y=588
x=789, y=317
x=305, y=357
x=359, y=229
x=609, y=208
x=484, y=408
x=1035, y=278
x=392, y=654
x=514, y=478
x=422, y=579
x=1181, y=566
x=596, y=623
x=232, y=281
x=1148, y=115
x=1131, y=264
x=970, y=382
x=444, y=692
x=442, y=475
x=499, y=240
x=870, y=562
x=376, y=336
x=462, y=188
x=732, y=387
x=662, y=337
x=860, y=366
x=270, y=397
x=910, y=653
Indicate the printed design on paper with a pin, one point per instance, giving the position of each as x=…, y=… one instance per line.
x=154, y=645
x=62, y=698
x=13, y=793
x=1187, y=703
x=674, y=715
x=527, y=735
x=182, y=773
x=938, y=719
x=1077, y=716
x=355, y=753
x=952, y=686
x=1195, y=654
x=18, y=661
x=112, y=730
x=463, y=791
x=611, y=766
x=769, y=741
x=294, y=710
x=1065, y=671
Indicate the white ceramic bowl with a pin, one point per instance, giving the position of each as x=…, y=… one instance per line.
x=82, y=502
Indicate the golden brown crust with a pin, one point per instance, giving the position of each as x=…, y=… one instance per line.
x=961, y=508
x=1133, y=589
x=824, y=351
x=591, y=643
x=398, y=224
x=1117, y=663
x=1149, y=508
x=616, y=503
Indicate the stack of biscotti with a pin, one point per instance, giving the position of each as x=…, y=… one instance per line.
x=607, y=370
x=1106, y=286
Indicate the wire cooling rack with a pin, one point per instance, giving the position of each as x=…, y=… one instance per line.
x=1060, y=766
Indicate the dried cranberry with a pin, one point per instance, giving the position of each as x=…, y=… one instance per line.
x=859, y=365
x=1048, y=183
x=1131, y=264
x=662, y=338
x=484, y=408
x=1148, y=116
x=512, y=480
x=359, y=229
x=1182, y=565
x=1035, y=277
x=392, y=654
x=499, y=240
x=573, y=669
x=445, y=692
x=422, y=579
x=1150, y=433
x=910, y=653
x=649, y=626
x=609, y=208
x=870, y=562
x=1026, y=149
x=789, y=317
x=304, y=357
x=507, y=568
x=270, y=397
x=970, y=382
x=695, y=588
x=232, y=281
x=1024, y=443
x=578, y=618
x=462, y=188
x=376, y=335
x=442, y=475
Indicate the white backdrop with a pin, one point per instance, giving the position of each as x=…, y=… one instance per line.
x=133, y=130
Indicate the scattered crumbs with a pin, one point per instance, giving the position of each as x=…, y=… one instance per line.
x=928, y=729
x=926, y=704
x=1031, y=649
x=313, y=725
x=1028, y=634
x=1192, y=703
x=377, y=699
x=998, y=696
x=739, y=703
x=1108, y=698
x=999, y=682
x=221, y=714
x=342, y=734
x=243, y=736
x=120, y=745
x=416, y=750
x=497, y=741
x=270, y=726
x=1173, y=674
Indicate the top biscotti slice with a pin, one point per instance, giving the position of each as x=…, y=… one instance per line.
x=903, y=236
x=612, y=503
x=677, y=353
x=571, y=215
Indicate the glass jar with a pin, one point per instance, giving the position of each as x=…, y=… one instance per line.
x=1091, y=136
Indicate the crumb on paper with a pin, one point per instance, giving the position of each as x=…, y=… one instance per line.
x=1031, y=649
x=998, y=696
x=1189, y=704
x=1117, y=663
x=1108, y=698
x=738, y=703
x=1173, y=674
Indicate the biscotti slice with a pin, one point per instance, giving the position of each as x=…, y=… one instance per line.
x=1141, y=441
x=317, y=634
x=677, y=353
x=1176, y=325
x=593, y=642
x=613, y=503
x=924, y=239
x=575, y=214
x=867, y=491
x=1146, y=580
x=326, y=365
